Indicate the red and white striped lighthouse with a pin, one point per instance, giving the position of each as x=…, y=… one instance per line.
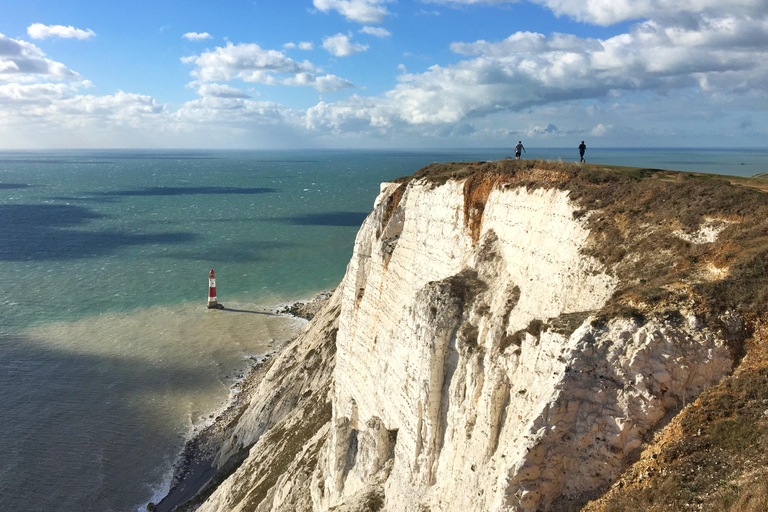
x=212, y=302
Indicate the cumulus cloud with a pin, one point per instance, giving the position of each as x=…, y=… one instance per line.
x=341, y=45
x=21, y=61
x=251, y=63
x=248, y=62
x=40, y=31
x=197, y=36
x=686, y=53
x=55, y=114
x=361, y=11
x=718, y=58
x=60, y=105
x=607, y=12
x=376, y=31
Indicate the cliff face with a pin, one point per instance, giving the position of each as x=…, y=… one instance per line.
x=493, y=353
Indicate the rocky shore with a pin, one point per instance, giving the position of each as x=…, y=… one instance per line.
x=195, y=468
x=306, y=309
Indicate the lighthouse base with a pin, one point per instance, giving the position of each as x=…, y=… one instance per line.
x=215, y=305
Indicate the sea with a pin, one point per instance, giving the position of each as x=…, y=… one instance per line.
x=109, y=358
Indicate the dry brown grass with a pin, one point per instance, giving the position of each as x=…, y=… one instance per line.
x=711, y=457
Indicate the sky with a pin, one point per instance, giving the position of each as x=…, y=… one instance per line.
x=281, y=74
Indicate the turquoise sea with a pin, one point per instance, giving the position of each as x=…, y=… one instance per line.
x=109, y=358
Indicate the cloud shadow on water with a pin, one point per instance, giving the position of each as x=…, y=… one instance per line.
x=254, y=251
x=350, y=219
x=40, y=232
x=116, y=195
x=69, y=415
x=188, y=191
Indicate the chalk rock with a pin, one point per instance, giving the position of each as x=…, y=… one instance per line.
x=477, y=358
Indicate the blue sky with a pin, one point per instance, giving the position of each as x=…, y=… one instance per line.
x=383, y=73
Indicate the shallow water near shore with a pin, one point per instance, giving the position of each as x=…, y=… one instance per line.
x=108, y=356
x=111, y=397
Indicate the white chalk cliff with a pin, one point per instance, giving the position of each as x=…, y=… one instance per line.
x=461, y=366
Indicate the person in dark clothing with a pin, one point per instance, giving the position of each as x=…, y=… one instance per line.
x=518, y=149
x=582, y=149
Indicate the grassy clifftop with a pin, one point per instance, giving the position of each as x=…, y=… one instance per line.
x=676, y=241
x=668, y=236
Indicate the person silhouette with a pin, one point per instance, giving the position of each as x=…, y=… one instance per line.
x=518, y=149
x=582, y=149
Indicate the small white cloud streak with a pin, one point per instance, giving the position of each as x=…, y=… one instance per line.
x=40, y=31
x=197, y=36
x=376, y=31
x=303, y=45
x=360, y=11
x=340, y=45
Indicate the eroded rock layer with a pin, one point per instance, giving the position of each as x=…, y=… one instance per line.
x=480, y=361
x=495, y=345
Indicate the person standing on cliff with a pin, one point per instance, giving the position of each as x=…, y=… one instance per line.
x=518, y=149
x=582, y=149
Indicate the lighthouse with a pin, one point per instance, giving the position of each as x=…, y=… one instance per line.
x=212, y=302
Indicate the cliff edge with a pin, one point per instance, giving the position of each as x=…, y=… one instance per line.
x=509, y=336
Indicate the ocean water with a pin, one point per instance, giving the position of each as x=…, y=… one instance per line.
x=109, y=358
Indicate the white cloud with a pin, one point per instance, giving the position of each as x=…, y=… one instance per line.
x=718, y=59
x=600, y=130
x=361, y=11
x=607, y=12
x=56, y=104
x=21, y=61
x=341, y=46
x=303, y=45
x=40, y=31
x=698, y=69
x=220, y=91
x=375, y=31
x=331, y=83
x=550, y=129
x=197, y=36
x=248, y=62
x=228, y=112
x=251, y=63
x=471, y=2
